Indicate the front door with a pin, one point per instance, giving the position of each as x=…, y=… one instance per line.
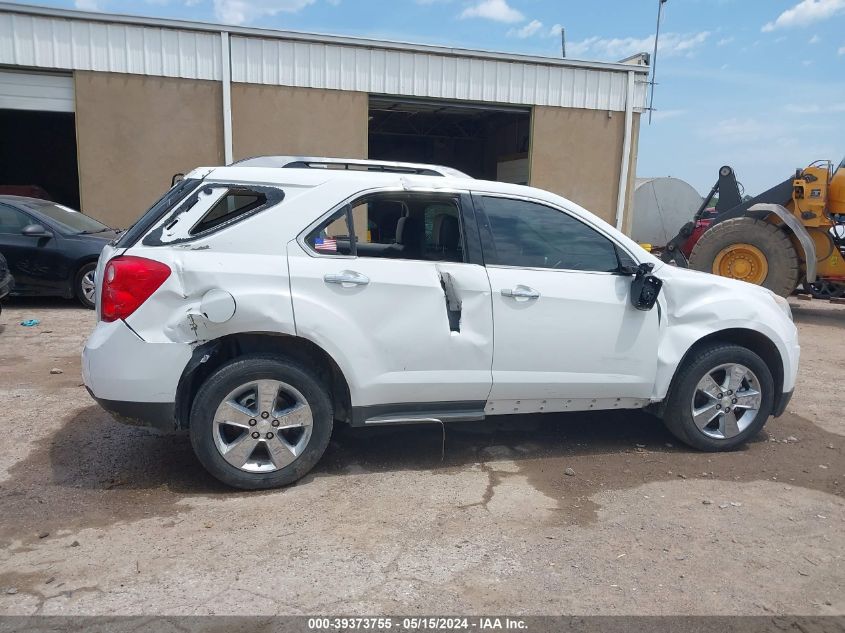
x=388, y=286
x=567, y=336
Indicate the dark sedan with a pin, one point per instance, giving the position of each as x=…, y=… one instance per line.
x=51, y=249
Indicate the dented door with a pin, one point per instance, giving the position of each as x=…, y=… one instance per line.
x=393, y=328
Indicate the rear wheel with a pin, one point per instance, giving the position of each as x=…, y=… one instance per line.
x=720, y=398
x=749, y=250
x=84, y=286
x=260, y=422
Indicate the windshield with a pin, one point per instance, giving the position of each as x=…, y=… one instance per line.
x=68, y=219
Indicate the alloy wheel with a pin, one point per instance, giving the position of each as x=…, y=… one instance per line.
x=726, y=401
x=262, y=426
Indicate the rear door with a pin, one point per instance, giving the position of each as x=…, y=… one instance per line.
x=567, y=336
x=392, y=287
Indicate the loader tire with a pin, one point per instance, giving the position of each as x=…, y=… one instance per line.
x=749, y=250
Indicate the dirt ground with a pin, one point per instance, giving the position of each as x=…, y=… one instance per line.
x=99, y=518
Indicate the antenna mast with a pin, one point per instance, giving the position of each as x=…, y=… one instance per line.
x=654, y=59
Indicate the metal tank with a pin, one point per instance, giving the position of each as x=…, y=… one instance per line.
x=661, y=207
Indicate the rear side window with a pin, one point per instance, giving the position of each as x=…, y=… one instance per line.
x=164, y=204
x=229, y=207
x=212, y=207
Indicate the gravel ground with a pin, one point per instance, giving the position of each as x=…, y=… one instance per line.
x=99, y=518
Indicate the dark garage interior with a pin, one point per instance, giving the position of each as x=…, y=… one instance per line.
x=488, y=142
x=38, y=155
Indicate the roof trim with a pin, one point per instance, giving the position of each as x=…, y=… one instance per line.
x=210, y=27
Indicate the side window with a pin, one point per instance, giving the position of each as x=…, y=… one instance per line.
x=408, y=226
x=211, y=208
x=12, y=221
x=533, y=235
x=332, y=237
x=236, y=202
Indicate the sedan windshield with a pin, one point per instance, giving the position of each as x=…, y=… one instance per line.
x=68, y=219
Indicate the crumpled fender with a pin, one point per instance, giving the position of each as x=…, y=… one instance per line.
x=694, y=305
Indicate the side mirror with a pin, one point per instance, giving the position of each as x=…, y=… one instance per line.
x=177, y=178
x=35, y=230
x=645, y=288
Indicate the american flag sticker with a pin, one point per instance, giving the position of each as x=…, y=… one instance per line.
x=327, y=244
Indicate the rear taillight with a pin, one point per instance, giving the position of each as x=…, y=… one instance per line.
x=128, y=282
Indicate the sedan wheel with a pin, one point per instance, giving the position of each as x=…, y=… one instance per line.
x=85, y=285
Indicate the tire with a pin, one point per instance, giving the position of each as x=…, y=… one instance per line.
x=773, y=242
x=81, y=288
x=686, y=397
x=279, y=456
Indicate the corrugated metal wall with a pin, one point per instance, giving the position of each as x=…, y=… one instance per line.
x=46, y=42
x=58, y=43
x=379, y=71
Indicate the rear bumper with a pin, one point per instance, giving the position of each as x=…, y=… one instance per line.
x=781, y=403
x=130, y=377
x=158, y=415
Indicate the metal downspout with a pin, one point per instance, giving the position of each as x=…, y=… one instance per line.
x=626, y=152
x=226, y=66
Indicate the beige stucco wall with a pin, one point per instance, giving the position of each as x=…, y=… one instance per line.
x=134, y=132
x=577, y=154
x=298, y=121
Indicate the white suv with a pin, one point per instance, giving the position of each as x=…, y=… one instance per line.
x=257, y=304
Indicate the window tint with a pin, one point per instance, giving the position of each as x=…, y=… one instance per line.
x=536, y=236
x=332, y=237
x=399, y=226
x=12, y=221
x=230, y=206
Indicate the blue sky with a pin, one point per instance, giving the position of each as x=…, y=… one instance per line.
x=756, y=84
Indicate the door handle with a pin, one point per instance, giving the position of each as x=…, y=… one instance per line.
x=520, y=293
x=347, y=278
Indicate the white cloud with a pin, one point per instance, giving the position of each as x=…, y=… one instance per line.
x=662, y=115
x=670, y=44
x=815, y=39
x=243, y=11
x=724, y=41
x=806, y=12
x=87, y=5
x=498, y=10
x=841, y=51
x=814, y=108
x=532, y=28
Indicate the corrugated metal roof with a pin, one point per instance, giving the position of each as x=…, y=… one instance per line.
x=39, y=37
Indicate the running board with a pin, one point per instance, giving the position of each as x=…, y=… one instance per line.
x=436, y=418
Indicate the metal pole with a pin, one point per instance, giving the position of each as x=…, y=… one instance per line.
x=660, y=4
x=562, y=42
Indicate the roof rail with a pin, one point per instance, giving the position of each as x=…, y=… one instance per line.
x=349, y=164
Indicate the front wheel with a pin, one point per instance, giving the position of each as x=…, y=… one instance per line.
x=260, y=422
x=721, y=398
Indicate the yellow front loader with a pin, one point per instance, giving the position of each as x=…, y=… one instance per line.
x=792, y=233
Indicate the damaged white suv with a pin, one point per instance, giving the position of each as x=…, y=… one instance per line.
x=256, y=304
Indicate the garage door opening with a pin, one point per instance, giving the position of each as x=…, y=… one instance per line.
x=38, y=155
x=38, y=128
x=485, y=142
